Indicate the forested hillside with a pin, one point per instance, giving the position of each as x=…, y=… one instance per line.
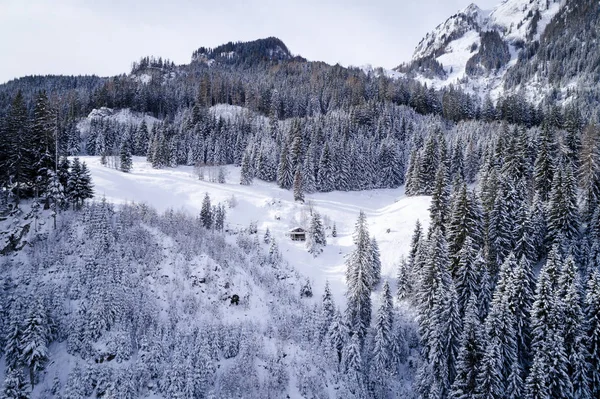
x=498, y=296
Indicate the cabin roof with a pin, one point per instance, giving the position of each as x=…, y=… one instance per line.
x=297, y=230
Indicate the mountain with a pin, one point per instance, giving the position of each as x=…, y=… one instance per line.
x=475, y=48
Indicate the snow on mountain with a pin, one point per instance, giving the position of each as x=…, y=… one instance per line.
x=459, y=39
x=391, y=215
x=122, y=116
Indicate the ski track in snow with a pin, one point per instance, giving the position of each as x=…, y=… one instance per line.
x=270, y=206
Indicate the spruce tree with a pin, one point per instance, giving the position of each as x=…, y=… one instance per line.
x=308, y=173
x=544, y=166
x=327, y=312
x=316, y=235
x=15, y=386
x=246, y=175
x=469, y=354
x=206, y=215
x=382, y=346
x=439, y=210
x=376, y=261
x=573, y=329
x=42, y=146
x=589, y=171
x=359, y=280
x=35, y=341
x=592, y=329
x=298, y=186
x=125, y=156
x=563, y=218
x=285, y=171
x=325, y=178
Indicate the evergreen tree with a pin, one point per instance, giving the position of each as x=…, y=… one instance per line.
x=15, y=386
x=267, y=237
x=544, y=167
x=376, y=261
x=562, y=208
x=298, y=186
x=325, y=177
x=589, y=171
x=382, y=347
x=285, y=171
x=316, y=235
x=573, y=329
x=35, y=341
x=125, y=156
x=439, y=209
x=17, y=159
x=467, y=274
x=327, y=313
x=309, y=182
x=592, y=327
x=206, y=215
x=464, y=222
x=469, y=354
x=337, y=336
x=359, y=280
x=41, y=146
x=246, y=173
x=79, y=185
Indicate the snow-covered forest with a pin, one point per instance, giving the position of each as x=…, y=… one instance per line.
x=256, y=225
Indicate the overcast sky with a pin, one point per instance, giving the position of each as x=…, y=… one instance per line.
x=105, y=37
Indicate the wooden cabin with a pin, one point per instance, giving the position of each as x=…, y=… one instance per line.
x=298, y=234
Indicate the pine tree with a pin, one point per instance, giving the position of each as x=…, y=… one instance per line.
x=438, y=315
x=334, y=230
x=589, y=171
x=206, y=215
x=308, y=173
x=15, y=386
x=467, y=275
x=547, y=340
x=337, y=336
x=298, y=186
x=35, y=341
x=327, y=312
x=544, y=167
x=439, y=209
x=267, y=237
x=359, y=280
x=219, y=214
x=592, y=329
x=563, y=218
x=316, y=235
x=42, y=146
x=383, y=336
x=17, y=158
x=376, y=261
x=55, y=195
x=464, y=221
x=79, y=185
x=469, y=355
x=573, y=329
x=325, y=178
x=125, y=155
x=352, y=363
x=285, y=171
x=246, y=173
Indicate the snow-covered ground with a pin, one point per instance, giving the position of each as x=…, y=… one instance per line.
x=274, y=208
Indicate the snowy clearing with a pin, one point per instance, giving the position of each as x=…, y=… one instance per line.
x=274, y=208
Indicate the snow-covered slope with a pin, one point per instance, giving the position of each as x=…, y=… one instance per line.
x=456, y=41
x=121, y=116
x=274, y=208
